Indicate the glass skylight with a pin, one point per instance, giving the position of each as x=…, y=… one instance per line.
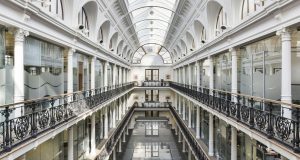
x=151, y=20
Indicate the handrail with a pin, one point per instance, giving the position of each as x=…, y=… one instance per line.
x=65, y=94
x=151, y=104
x=239, y=94
x=277, y=122
x=25, y=121
x=199, y=152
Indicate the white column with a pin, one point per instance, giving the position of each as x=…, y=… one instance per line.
x=124, y=105
x=183, y=109
x=120, y=145
x=202, y=124
x=114, y=114
x=123, y=75
x=190, y=114
x=211, y=72
x=179, y=136
x=114, y=156
x=198, y=123
x=189, y=74
x=70, y=70
x=233, y=143
x=183, y=145
x=93, y=133
x=120, y=108
x=105, y=74
x=198, y=71
x=70, y=143
x=234, y=70
x=120, y=75
x=175, y=101
x=114, y=74
x=189, y=154
x=106, y=123
x=18, y=72
x=183, y=75
x=101, y=124
x=93, y=72
x=286, y=72
x=211, y=135
x=124, y=137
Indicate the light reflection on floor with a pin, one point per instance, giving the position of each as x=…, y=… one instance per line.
x=151, y=141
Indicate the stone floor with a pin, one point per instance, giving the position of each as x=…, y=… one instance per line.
x=163, y=146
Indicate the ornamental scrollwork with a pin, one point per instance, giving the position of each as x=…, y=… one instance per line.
x=283, y=128
x=21, y=127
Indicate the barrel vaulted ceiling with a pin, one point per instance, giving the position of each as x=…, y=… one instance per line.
x=151, y=26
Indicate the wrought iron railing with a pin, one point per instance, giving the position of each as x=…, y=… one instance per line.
x=155, y=84
x=22, y=121
x=152, y=104
x=198, y=151
x=112, y=141
x=277, y=120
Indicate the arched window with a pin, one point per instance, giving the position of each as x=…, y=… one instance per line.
x=221, y=22
x=83, y=21
x=250, y=6
x=59, y=9
x=203, y=36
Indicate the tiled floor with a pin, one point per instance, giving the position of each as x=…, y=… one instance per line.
x=142, y=147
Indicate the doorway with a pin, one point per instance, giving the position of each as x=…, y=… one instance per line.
x=151, y=75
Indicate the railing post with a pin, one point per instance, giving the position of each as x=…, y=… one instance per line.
x=251, y=120
x=6, y=129
x=270, y=131
x=238, y=108
x=33, y=121
x=297, y=140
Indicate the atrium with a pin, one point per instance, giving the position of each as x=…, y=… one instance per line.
x=149, y=79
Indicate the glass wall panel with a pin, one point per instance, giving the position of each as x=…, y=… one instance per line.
x=43, y=64
x=260, y=73
x=205, y=73
x=222, y=71
x=6, y=66
x=295, y=67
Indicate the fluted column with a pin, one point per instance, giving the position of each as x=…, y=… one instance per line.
x=211, y=135
x=198, y=123
x=233, y=143
x=115, y=72
x=198, y=71
x=190, y=74
x=211, y=72
x=120, y=75
x=93, y=133
x=93, y=72
x=106, y=123
x=183, y=109
x=114, y=115
x=18, y=71
x=70, y=143
x=286, y=71
x=105, y=73
x=190, y=114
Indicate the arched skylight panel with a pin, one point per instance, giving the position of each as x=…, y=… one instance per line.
x=151, y=36
x=134, y=4
x=250, y=6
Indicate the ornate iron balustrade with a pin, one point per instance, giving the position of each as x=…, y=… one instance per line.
x=152, y=104
x=199, y=153
x=26, y=120
x=155, y=84
x=276, y=120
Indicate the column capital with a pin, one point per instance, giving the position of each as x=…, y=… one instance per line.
x=71, y=51
x=285, y=33
x=20, y=34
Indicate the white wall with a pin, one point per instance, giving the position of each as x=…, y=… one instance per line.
x=138, y=73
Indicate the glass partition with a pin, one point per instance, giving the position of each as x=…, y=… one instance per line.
x=260, y=73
